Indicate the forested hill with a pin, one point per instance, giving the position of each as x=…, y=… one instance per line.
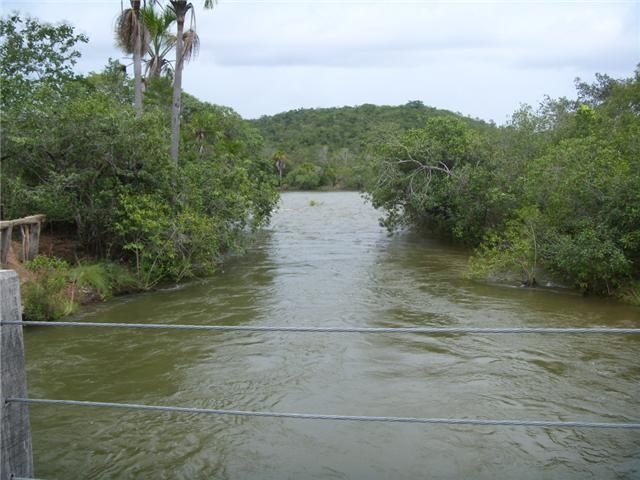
x=327, y=147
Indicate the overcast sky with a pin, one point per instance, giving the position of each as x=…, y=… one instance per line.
x=479, y=58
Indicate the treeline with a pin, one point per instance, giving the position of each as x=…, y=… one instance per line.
x=329, y=147
x=74, y=149
x=555, y=192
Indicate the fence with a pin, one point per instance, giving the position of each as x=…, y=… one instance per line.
x=16, y=452
x=30, y=237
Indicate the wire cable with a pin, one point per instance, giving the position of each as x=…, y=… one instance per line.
x=318, y=416
x=287, y=329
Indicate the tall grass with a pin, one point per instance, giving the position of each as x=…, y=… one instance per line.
x=56, y=289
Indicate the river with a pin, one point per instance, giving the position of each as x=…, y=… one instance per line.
x=324, y=261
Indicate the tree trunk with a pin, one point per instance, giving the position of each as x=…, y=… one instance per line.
x=137, y=60
x=180, y=7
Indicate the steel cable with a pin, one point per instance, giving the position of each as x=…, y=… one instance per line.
x=287, y=329
x=318, y=416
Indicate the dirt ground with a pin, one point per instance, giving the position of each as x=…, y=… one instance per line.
x=64, y=247
x=61, y=246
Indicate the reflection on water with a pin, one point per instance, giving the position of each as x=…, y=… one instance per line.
x=331, y=264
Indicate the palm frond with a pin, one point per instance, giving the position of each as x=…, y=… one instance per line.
x=157, y=23
x=191, y=45
x=126, y=30
x=157, y=66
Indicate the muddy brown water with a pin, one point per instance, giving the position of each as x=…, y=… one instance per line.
x=324, y=261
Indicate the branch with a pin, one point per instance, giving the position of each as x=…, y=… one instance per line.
x=430, y=168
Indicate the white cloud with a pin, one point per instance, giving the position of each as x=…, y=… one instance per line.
x=478, y=57
x=392, y=35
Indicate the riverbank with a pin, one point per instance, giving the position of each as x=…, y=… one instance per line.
x=59, y=281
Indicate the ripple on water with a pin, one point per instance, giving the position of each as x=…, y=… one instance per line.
x=331, y=264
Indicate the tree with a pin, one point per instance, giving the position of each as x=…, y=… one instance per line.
x=36, y=70
x=512, y=250
x=307, y=176
x=34, y=55
x=186, y=46
x=340, y=140
x=161, y=40
x=418, y=179
x=576, y=164
x=131, y=38
x=74, y=150
x=280, y=159
x=113, y=80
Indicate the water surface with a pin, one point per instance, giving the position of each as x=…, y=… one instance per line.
x=324, y=261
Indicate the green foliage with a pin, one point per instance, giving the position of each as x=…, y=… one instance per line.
x=158, y=95
x=630, y=293
x=145, y=228
x=512, y=250
x=100, y=279
x=336, y=141
x=558, y=188
x=44, y=296
x=306, y=176
x=161, y=41
x=43, y=263
x=84, y=159
x=42, y=302
x=224, y=170
x=33, y=55
x=113, y=81
x=55, y=288
x=589, y=191
x=422, y=173
x=591, y=259
x=71, y=159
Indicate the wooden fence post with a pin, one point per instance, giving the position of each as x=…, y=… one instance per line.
x=16, y=458
x=34, y=240
x=5, y=242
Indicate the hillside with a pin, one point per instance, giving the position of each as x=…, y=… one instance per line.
x=328, y=147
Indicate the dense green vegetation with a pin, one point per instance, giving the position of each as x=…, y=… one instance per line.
x=554, y=193
x=329, y=147
x=74, y=149
x=55, y=288
x=557, y=190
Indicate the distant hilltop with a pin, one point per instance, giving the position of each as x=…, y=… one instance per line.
x=326, y=147
x=345, y=127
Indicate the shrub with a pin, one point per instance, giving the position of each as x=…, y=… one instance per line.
x=44, y=295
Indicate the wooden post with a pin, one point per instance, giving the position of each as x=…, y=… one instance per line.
x=5, y=243
x=34, y=240
x=16, y=458
x=24, y=235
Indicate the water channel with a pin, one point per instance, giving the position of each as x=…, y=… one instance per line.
x=324, y=261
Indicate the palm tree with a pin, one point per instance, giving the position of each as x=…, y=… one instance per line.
x=161, y=41
x=280, y=159
x=130, y=36
x=187, y=44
